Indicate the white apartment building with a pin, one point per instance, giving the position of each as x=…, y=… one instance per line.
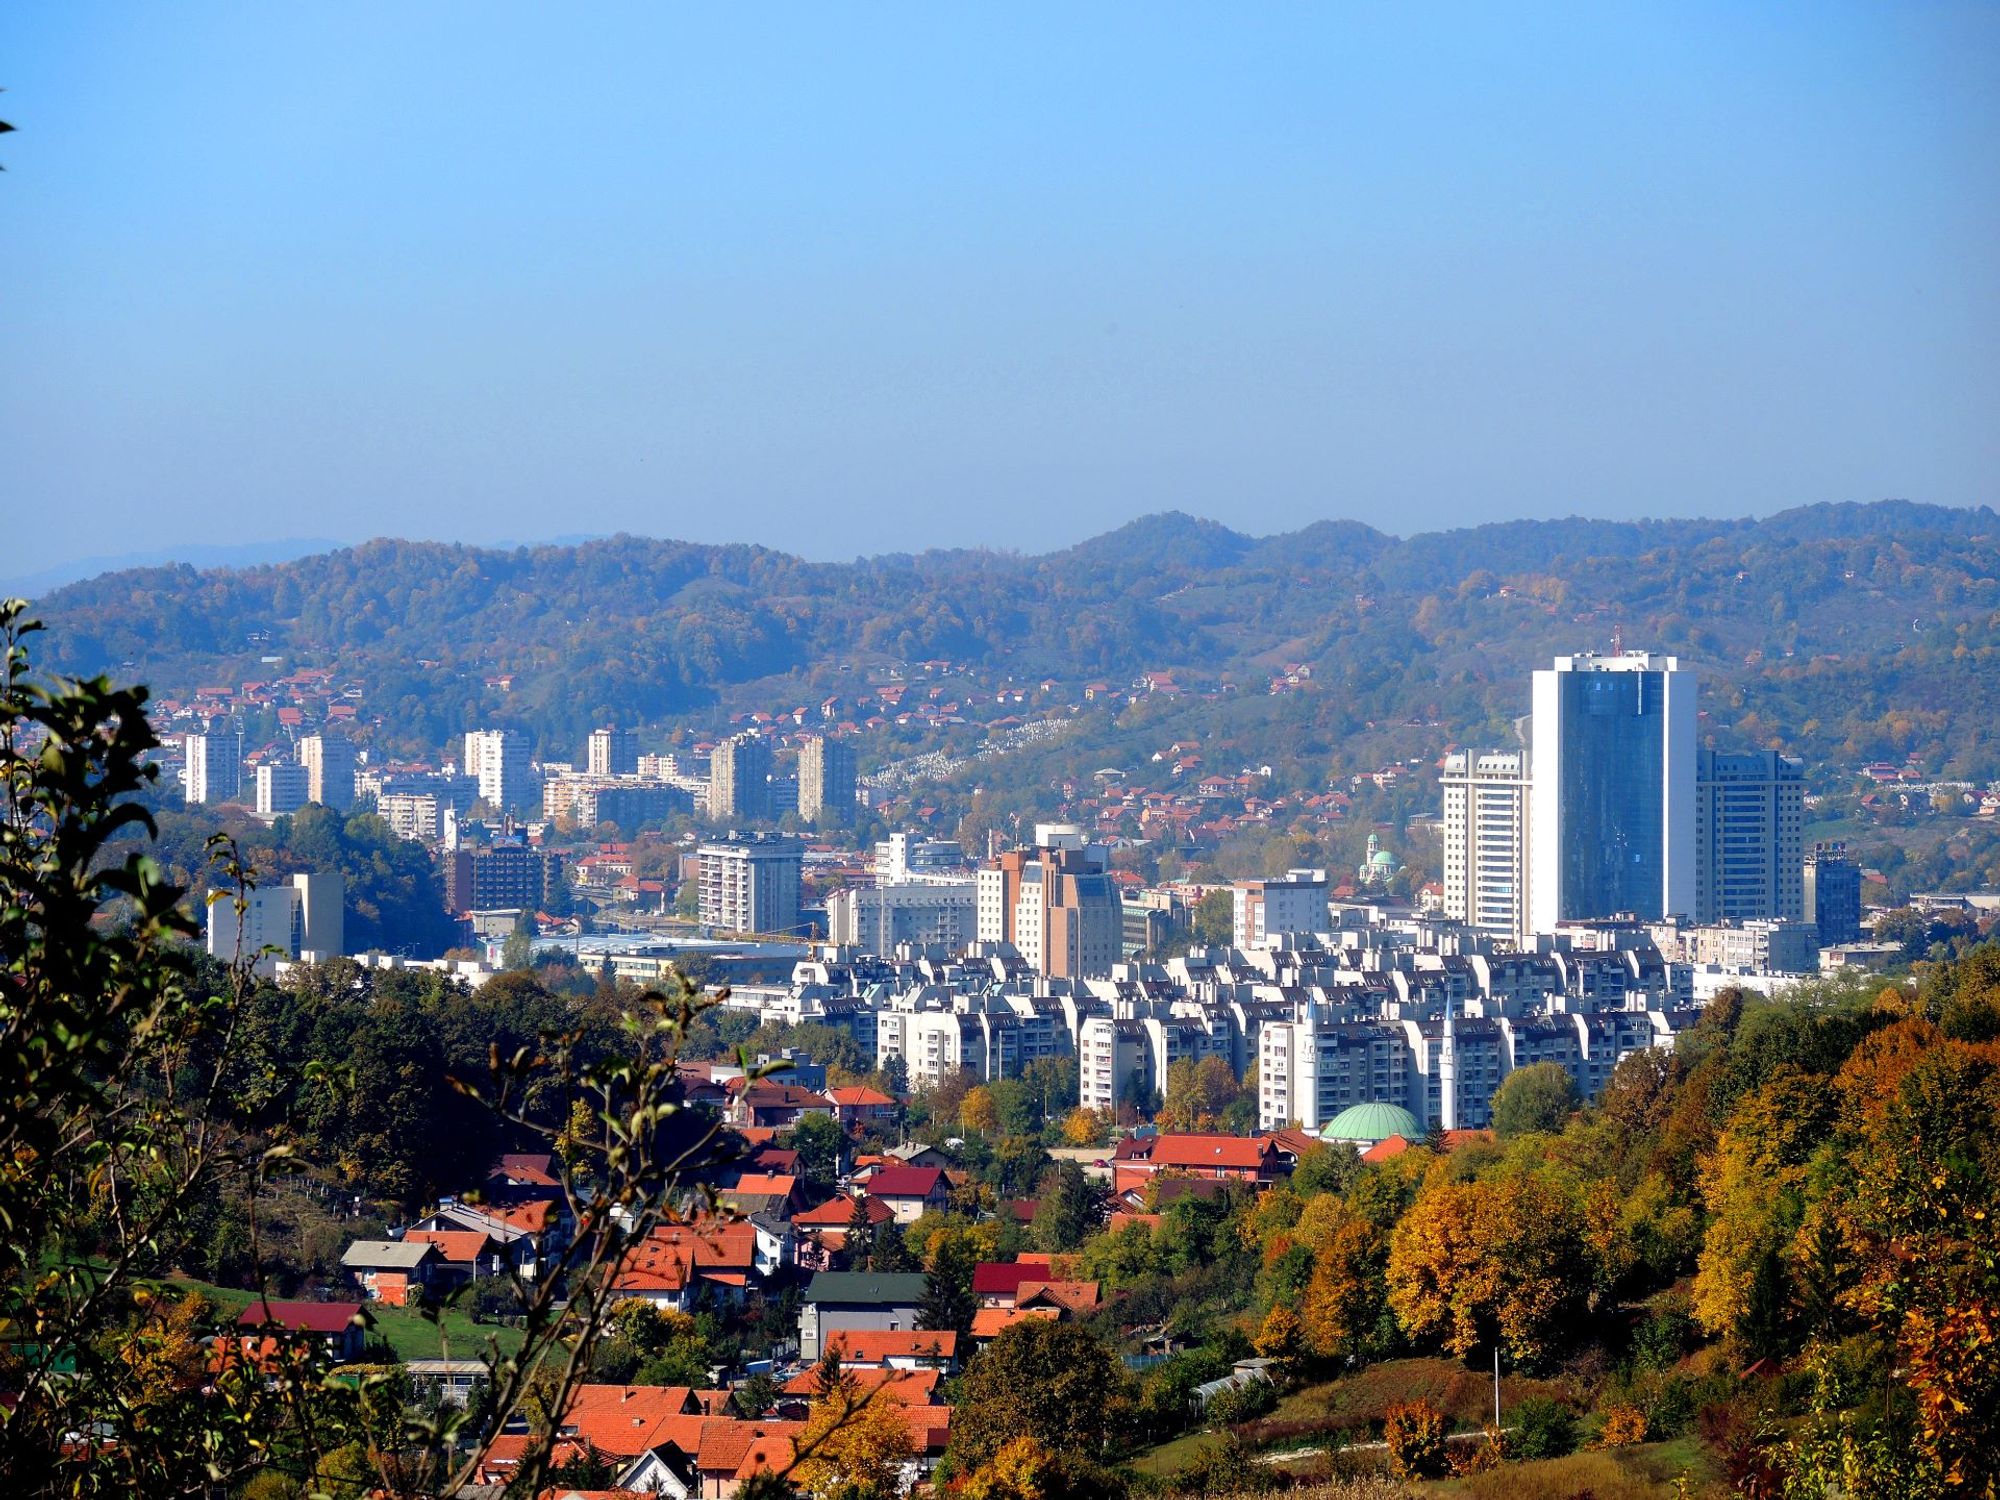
x=1267, y=911
x=304, y=915
x=750, y=883
x=1114, y=1063
x=1309, y=1070
x=876, y=918
x=282, y=787
x=1486, y=840
x=213, y=768
x=498, y=760
x=329, y=763
x=613, y=752
x=410, y=815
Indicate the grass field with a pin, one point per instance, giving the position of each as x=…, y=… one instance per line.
x=407, y=1333
x=1646, y=1471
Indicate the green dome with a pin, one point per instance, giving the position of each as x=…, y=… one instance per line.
x=1369, y=1124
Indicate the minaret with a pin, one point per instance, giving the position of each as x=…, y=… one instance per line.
x=1448, y=1072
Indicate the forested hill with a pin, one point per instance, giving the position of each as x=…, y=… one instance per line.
x=1869, y=621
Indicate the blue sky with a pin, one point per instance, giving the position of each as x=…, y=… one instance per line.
x=853, y=279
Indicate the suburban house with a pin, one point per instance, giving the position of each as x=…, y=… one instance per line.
x=1252, y=1159
x=522, y=1179
x=844, y=1301
x=762, y=1193
x=858, y=1107
x=462, y=1254
x=678, y=1265
x=621, y=1423
x=522, y=1234
x=776, y=1106
x=893, y=1349
x=910, y=1192
x=390, y=1271
x=826, y=1233
x=335, y=1324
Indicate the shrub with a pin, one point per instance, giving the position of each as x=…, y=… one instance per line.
x=1623, y=1426
x=1543, y=1428
x=1414, y=1432
x=1243, y=1403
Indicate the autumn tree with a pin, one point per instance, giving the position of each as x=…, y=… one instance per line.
x=1050, y=1381
x=854, y=1446
x=1198, y=1094
x=1414, y=1433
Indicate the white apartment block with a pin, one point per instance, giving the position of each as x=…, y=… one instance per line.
x=613, y=752
x=304, y=915
x=498, y=760
x=1486, y=840
x=750, y=883
x=213, y=768
x=877, y=918
x=282, y=787
x=1267, y=911
x=410, y=815
x=329, y=763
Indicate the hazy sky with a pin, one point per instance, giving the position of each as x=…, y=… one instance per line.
x=858, y=278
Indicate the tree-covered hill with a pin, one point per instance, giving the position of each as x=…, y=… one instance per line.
x=1836, y=630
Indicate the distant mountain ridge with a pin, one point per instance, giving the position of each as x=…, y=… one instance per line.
x=1436, y=627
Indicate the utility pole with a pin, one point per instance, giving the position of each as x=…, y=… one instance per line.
x=1496, y=1387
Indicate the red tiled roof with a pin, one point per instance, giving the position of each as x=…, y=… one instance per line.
x=459, y=1247
x=844, y=1213
x=302, y=1317
x=905, y=1182
x=1246, y=1152
x=873, y=1346
x=855, y=1095
x=991, y=1278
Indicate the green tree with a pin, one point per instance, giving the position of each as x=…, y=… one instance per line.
x=1539, y=1097
x=1065, y=1210
x=819, y=1140
x=948, y=1300
x=1053, y=1382
x=1213, y=921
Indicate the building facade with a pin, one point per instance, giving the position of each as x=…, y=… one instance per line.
x=498, y=760
x=826, y=782
x=739, y=781
x=877, y=918
x=214, y=768
x=1830, y=893
x=1268, y=910
x=282, y=787
x=1612, y=801
x=329, y=763
x=749, y=882
x=612, y=752
x=1749, y=837
x=1485, y=843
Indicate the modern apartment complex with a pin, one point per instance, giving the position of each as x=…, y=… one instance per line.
x=749, y=882
x=283, y=786
x=1055, y=903
x=613, y=752
x=1749, y=837
x=214, y=767
x=826, y=781
x=498, y=759
x=1830, y=894
x=739, y=781
x=1486, y=840
x=1266, y=911
x=329, y=762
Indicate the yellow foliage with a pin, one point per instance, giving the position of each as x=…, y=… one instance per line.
x=862, y=1442
x=1623, y=1426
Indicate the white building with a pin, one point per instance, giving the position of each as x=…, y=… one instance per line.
x=304, y=915
x=613, y=752
x=876, y=918
x=498, y=760
x=410, y=815
x=1267, y=911
x=214, y=768
x=282, y=787
x=749, y=882
x=329, y=763
x=1486, y=840
x=1612, y=810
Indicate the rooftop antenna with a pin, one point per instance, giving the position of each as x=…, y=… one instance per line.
x=1617, y=640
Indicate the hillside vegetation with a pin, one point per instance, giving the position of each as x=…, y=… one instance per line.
x=1843, y=632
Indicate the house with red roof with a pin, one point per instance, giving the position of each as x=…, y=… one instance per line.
x=767, y=1103
x=337, y=1325
x=1253, y=1159
x=910, y=1192
x=826, y=1233
x=677, y=1266
x=857, y=1107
